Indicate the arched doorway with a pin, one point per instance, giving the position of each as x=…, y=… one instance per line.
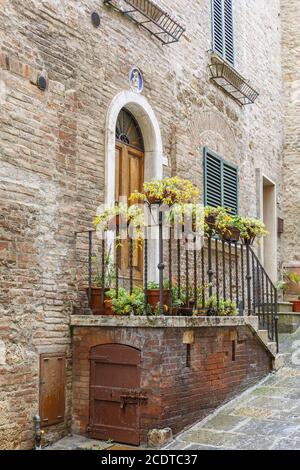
x=129, y=178
x=115, y=394
x=139, y=107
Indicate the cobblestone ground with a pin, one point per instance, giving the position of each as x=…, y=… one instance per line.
x=263, y=418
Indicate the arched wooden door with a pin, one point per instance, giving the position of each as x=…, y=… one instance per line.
x=129, y=178
x=115, y=394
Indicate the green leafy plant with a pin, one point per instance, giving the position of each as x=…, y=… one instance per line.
x=252, y=228
x=221, y=307
x=286, y=279
x=126, y=303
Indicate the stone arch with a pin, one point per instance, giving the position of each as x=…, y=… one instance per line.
x=144, y=114
x=140, y=108
x=210, y=129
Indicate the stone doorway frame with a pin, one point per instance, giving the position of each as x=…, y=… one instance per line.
x=267, y=211
x=142, y=111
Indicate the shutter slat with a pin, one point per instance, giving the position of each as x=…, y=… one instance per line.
x=223, y=30
x=221, y=183
x=218, y=27
x=230, y=176
x=213, y=179
x=228, y=28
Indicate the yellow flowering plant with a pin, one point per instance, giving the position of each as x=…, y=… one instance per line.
x=167, y=191
x=132, y=215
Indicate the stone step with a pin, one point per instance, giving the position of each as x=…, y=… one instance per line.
x=285, y=307
x=280, y=361
x=263, y=334
x=272, y=346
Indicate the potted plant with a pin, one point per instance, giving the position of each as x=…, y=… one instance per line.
x=296, y=305
x=153, y=295
x=126, y=303
x=252, y=229
x=229, y=227
x=167, y=191
x=220, y=307
x=98, y=296
x=132, y=215
x=210, y=217
x=286, y=280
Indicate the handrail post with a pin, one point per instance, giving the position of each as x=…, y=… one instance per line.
x=210, y=269
x=161, y=262
x=248, y=279
x=276, y=318
x=90, y=267
x=103, y=272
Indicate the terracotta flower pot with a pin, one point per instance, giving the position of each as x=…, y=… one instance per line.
x=231, y=234
x=97, y=306
x=296, y=306
x=187, y=310
x=210, y=220
x=249, y=240
x=153, y=296
x=152, y=199
x=203, y=312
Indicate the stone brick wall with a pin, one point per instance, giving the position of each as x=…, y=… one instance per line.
x=52, y=153
x=178, y=395
x=291, y=162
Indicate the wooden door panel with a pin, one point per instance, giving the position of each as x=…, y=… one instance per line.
x=52, y=388
x=129, y=178
x=115, y=374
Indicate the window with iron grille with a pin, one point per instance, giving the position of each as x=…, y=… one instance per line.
x=220, y=182
x=222, y=29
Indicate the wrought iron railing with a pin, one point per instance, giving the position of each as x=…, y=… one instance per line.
x=150, y=17
x=218, y=272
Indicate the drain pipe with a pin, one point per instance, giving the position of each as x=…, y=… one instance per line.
x=37, y=433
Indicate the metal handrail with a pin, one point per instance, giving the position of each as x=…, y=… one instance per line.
x=222, y=270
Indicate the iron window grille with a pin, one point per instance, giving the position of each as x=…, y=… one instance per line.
x=233, y=83
x=150, y=17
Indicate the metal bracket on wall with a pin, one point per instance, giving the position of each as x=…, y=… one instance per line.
x=150, y=17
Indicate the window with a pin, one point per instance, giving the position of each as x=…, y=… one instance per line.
x=220, y=182
x=222, y=29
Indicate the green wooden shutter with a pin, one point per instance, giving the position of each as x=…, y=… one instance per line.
x=218, y=26
x=212, y=179
x=222, y=28
x=230, y=187
x=220, y=182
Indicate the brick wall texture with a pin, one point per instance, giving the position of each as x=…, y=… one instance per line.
x=177, y=395
x=52, y=152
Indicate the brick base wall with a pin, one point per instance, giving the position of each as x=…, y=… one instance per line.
x=223, y=362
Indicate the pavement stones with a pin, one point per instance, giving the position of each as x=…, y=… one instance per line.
x=266, y=417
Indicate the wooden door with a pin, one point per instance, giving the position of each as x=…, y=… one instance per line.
x=52, y=388
x=129, y=178
x=115, y=393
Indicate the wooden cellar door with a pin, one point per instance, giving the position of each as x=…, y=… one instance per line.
x=115, y=394
x=52, y=388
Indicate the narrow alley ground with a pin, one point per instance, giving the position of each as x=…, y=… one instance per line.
x=266, y=417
